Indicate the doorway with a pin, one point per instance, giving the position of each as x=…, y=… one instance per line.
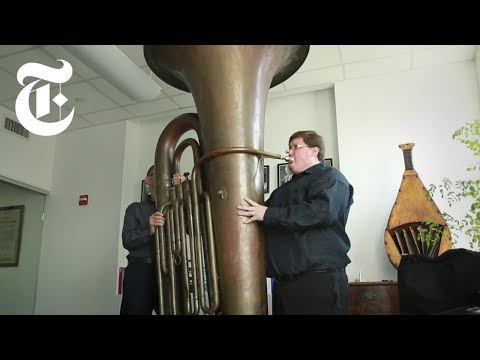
x=18, y=283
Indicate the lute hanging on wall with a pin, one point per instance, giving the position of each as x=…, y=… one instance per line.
x=412, y=207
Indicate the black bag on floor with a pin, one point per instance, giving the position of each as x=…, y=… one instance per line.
x=440, y=284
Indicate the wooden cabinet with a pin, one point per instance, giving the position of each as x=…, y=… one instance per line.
x=374, y=298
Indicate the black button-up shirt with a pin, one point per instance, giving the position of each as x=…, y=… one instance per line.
x=305, y=222
x=136, y=236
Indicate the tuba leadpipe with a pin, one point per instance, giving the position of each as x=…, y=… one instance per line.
x=229, y=85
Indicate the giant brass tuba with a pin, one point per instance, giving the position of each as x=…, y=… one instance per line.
x=215, y=263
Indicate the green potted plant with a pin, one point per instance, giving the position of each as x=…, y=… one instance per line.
x=430, y=232
x=464, y=190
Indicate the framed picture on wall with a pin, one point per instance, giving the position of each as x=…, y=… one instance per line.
x=329, y=162
x=266, y=179
x=284, y=175
x=11, y=218
x=145, y=191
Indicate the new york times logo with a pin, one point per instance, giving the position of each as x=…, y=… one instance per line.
x=22, y=104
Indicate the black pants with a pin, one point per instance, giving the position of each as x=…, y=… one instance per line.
x=140, y=289
x=312, y=293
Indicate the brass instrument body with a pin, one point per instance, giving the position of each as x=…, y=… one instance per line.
x=229, y=85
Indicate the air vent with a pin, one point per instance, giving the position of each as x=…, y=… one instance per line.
x=16, y=128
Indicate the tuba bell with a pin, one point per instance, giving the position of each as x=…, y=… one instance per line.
x=216, y=263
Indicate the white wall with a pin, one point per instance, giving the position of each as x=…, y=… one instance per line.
x=374, y=116
x=477, y=63
x=26, y=162
x=78, y=258
x=133, y=169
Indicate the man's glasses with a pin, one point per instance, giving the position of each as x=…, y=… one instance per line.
x=295, y=147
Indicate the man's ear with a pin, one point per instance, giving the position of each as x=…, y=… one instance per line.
x=149, y=180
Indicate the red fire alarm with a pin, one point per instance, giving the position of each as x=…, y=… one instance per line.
x=83, y=200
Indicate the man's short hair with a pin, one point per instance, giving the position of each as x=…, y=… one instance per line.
x=151, y=170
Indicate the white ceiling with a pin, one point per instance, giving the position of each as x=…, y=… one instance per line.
x=97, y=101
